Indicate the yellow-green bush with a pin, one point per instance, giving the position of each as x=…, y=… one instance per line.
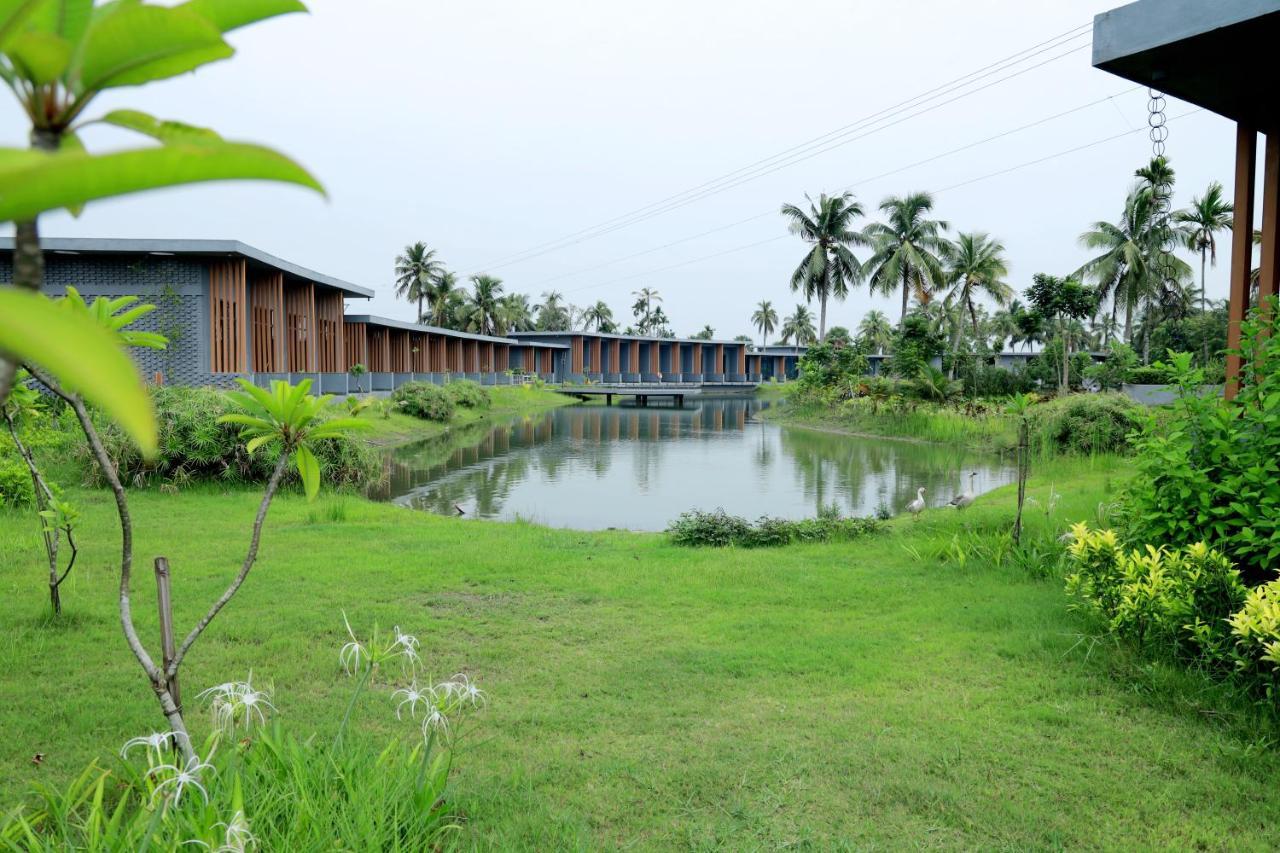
x=1256, y=631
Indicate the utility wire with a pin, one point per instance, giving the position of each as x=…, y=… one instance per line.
x=805, y=150
x=860, y=182
x=988, y=176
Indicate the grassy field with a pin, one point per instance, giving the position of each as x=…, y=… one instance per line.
x=888, y=692
x=993, y=431
x=508, y=401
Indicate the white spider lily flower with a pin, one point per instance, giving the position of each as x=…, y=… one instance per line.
x=234, y=702
x=180, y=779
x=468, y=692
x=407, y=643
x=434, y=721
x=413, y=696
x=353, y=655
x=237, y=837
x=154, y=742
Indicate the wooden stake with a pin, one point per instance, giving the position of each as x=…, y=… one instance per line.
x=168, y=643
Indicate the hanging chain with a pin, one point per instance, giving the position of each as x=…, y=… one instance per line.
x=1161, y=188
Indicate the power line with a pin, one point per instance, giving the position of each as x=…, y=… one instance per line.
x=898, y=170
x=966, y=183
x=805, y=150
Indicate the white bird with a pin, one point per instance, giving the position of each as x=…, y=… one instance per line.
x=965, y=498
x=917, y=506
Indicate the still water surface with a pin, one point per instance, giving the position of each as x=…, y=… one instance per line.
x=591, y=467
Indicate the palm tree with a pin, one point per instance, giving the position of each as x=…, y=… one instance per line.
x=598, y=315
x=1123, y=270
x=829, y=267
x=976, y=264
x=443, y=298
x=416, y=268
x=906, y=249
x=481, y=311
x=643, y=308
x=1208, y=214
x=799, y=326
x=875, y=331
x=765, y=319
x=553, y=316
x=516, y=312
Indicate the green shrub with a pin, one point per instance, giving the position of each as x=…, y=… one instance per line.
x=467, y=394
x=1148, y=374
x=1256, y=632
x=1086, y=423
x=1174, y=601
x=1115, y=371
x=424, y=400
x=1210, y=470
x=195, y=446
x=15, y=479
x=719, y=529
x=828, y=365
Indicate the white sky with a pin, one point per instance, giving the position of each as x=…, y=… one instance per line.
x=489, y=128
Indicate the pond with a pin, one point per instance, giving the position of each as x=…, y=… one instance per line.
x=593, y=467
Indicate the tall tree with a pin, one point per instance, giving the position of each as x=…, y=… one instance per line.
x=875, y=331
x=481, y=310
x=1207, y=215
x=516, y=312
x=765, y=319
x=1063, y=303
x=442, y=299
x=598, y=315
x=906, y=249
x=1123, y=269
x=976, y=265
x=553, y=314
x=416, y=268
x=799, y=327
x=829, y=266
x=643, y=309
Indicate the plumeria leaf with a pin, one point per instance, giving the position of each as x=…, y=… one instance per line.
x=309, y=470
x=129, y=44
x=228, y=15
x=13, y=14
x=39, y=58
x=32, y=182
x=162, y=130
x=82, y=355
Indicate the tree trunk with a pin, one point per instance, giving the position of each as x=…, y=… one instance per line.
x=902, y=321
x=1023, y=467
x=822, y=317
x=42, y=495
x=1065, y=386
x=1204, y=304
x=1128, y=321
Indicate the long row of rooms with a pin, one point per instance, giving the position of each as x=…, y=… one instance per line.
x=230, y=310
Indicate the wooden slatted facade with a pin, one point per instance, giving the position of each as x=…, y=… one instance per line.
x=355, y=337
x=266, y=316
x=300, y=323
x=330, y=346
x=227, y=333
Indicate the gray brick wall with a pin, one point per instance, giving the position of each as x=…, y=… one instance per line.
x=176, y=286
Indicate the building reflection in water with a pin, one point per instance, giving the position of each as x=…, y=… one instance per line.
x=595, y=467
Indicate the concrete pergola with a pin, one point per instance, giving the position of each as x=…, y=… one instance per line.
x=1220, y=55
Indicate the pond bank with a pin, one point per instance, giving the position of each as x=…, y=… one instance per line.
x=988, y=430
x=506, y=402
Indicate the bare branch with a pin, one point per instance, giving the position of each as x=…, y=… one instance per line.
x=272, y=485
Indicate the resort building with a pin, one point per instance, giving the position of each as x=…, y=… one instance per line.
x=230, y=310
x=609, y=358
x=775, y=363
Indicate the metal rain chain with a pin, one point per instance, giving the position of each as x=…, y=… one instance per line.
x=1161, y=189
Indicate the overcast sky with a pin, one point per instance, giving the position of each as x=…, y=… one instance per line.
x=487, y=129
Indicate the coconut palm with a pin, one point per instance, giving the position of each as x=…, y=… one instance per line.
x=481, y=311
x=553, y=315
x=765, y=319
x=598, y=315
x=828, y=267
x=975, y=265
x=1123, y=269
x=875, y=331
x=906, y=249
x=443, y=298
x=643, y=308
x=416, y=268
x=1208, y=214
x=799, y=327
x=516, y=312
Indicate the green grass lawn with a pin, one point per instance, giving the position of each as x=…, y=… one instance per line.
x=863, y=694
x=506, y=401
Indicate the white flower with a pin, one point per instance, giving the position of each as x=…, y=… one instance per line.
x=466, y=691
x=181, y=779
x=407, y=643
x=353, y=654
x=238, y=838
x=234, y=702
x=433, y=721
x=154, y=742
x=412, y=697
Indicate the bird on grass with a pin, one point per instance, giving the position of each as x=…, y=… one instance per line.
x=917, y=506
x=965, y=498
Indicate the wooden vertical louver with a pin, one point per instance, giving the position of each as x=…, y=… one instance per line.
x=356, y=344
x=227, y=298
x=330, y=347
x=266, y=316
x=300, y=324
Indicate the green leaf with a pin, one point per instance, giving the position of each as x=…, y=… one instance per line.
x=309, y=470
x=254, y=443
x=39, y=58
x=131, y=44
x=165, y=131
x=13, y=15
x=228, y=15
x=66, y=18
x=82, y=355
x=32, y=182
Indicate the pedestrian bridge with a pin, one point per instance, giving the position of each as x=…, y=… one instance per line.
x=642, y=392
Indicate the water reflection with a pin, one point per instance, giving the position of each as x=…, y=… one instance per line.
x=593, y=467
